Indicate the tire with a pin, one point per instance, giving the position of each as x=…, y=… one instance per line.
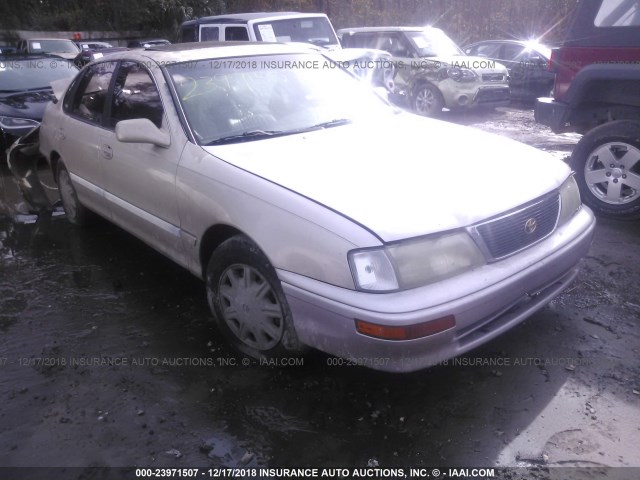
x=607, y=165
x=247, y=301
x=77, y=213
x=427, y=100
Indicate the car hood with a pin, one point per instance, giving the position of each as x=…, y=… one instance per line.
x=477, y=64
x=25, y=104
x=404, y=177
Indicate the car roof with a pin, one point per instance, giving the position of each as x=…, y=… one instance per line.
x=243, y=18
x=39, y=39
x=186, y=52
x=385, y=29
x=515, y=42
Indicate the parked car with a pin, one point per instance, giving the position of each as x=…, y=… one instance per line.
x=314, y=28
x=596, y=93
x=308, y=205
x=153, y=42
x=527, y=61
x=91, y=45
x=87, y=56
x=374, y=67
x=25, y=90
x=52, y=46
x=432, y=71
x=5, y=49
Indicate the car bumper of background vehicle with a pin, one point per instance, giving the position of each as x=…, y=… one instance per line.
x=492, y=96
x=325, y=316
x=460, y=95
x=551, y=113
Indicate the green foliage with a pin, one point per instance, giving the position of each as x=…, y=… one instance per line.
x=464, y=20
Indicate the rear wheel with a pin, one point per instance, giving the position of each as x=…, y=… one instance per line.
x=247, y=300
x=607, y=166
x=77, y=213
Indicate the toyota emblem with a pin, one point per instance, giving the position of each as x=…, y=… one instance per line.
x=530, y=225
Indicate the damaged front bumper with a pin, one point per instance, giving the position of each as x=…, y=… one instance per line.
x=23, y=158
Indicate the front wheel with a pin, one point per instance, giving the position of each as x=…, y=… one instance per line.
x=427, y=100
x=247, y=300
x=607, y=165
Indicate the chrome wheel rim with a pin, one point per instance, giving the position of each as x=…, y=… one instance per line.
x=612, y=173
x=250, y=307
x=67, y=194
x=425, y=101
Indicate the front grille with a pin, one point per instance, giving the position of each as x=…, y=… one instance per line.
x=492, y=77
x=520, y=228
x=493, y=95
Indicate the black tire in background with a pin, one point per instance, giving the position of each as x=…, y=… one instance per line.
x=247, y=301
x=607, y=165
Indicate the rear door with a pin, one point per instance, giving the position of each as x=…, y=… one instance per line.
x=80, y=131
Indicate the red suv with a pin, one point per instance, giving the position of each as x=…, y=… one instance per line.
x=597, y=92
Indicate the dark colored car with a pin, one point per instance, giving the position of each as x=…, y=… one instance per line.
x=142, y=43
x=596, y=92
x=527, y=63
x=5, y=49
x=25, y=91
x=87, y=56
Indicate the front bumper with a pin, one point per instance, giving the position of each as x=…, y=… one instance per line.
x=554, y=115
x=459, y=95
x=485, y=302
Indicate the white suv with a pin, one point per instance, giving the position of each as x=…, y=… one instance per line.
x=314, y=28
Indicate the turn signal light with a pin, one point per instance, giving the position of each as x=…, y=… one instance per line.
x=406, y=332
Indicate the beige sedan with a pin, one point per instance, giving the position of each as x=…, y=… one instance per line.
x=317, y=214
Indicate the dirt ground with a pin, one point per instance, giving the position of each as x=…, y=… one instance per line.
x=108, y=358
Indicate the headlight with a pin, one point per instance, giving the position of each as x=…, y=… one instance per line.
x=461, y=74
x=570, y=201
x=414, y=263
x=12, y=123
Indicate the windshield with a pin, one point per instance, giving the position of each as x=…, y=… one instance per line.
x=22, y=75
x=246, y=98
x=315, y=30
x=53, y=46
x=433, y=42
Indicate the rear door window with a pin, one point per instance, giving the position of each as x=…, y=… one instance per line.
x=90, y=97
x=209, y=33
x=236, y=34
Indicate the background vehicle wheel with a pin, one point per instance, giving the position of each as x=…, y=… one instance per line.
x=77, y=213
x=607, y=165
x=427, y=100
x=247, y=300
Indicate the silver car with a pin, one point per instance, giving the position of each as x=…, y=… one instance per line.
x=317, y=214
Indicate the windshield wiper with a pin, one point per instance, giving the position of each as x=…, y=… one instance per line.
x=331, y=123
x=257, y=134
x=249, y=135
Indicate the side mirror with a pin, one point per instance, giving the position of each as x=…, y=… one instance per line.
x=141, y=130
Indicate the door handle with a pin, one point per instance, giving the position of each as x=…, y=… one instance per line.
x=107, y=152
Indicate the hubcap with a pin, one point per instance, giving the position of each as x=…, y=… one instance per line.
x=425, y=101
x=612, y=173
x=250, y=307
